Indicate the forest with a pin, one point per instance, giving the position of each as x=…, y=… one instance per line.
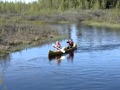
x=42, y=6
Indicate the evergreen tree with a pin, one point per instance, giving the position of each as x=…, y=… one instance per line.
x=103, y=4
x=96, y=5
x=118, y=5
x=62, y=5
x=86, y=4
x=35, y=7
x=80, y=4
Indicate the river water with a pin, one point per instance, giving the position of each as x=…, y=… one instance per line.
x=95, y=65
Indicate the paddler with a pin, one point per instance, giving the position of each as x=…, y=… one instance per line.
x=58, y=45
x=71, y=43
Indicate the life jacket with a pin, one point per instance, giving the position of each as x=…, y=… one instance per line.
x=70, y=43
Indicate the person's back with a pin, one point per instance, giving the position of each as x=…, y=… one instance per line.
x=58, y=44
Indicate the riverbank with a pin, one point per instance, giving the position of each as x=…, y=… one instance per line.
x=17, y=36
x=103, y=18
x=68, y=16
x=5, y=50
x=102, y=24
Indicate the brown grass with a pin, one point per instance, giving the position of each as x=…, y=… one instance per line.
x=24, y=32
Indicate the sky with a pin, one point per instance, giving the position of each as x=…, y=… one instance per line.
x=27, y=1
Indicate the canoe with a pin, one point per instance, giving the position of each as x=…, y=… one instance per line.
x=67, y=50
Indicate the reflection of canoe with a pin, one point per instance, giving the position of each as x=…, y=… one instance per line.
x=59, y=57
x=67, y=50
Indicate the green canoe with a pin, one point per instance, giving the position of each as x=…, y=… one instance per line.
x=67, y=50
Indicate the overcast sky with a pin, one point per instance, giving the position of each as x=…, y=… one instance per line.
x=20, y=0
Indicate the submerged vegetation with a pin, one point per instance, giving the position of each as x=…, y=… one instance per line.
x=24, y=23
x=1, y=77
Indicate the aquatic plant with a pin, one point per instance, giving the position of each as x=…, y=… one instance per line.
x=2, y=77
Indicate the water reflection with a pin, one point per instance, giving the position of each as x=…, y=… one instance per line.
x=5, y=60
x=94, y=37
x=70, y=57
x=60, y=58
x=56, y=58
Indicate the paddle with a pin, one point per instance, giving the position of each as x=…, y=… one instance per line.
x=62, y=50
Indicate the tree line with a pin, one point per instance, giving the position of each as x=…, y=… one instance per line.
x=62, y=5
x=81, y=4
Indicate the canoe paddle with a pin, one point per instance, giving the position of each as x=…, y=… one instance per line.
x=62, y=50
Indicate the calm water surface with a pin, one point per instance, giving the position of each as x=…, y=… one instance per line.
x=95, y=65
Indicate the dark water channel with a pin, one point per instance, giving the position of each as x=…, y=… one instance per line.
x=95, y=65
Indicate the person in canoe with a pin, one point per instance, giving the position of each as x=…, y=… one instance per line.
x=71, y=43
x=57, y=45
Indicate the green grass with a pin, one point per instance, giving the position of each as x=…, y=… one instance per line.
x=64, y=22
x=0, y=82
x=2, y=78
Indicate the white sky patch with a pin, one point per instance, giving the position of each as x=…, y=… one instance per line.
x=26, y=1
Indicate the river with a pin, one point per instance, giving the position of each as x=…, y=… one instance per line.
x=94, y=65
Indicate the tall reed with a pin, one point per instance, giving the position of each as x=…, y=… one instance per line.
x=2, y=77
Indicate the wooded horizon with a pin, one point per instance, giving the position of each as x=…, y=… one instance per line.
x=37, y=7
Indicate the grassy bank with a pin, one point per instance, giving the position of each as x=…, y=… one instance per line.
x=102, y=24
x=68, y=16
x=19, y=47
x=17, y=33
